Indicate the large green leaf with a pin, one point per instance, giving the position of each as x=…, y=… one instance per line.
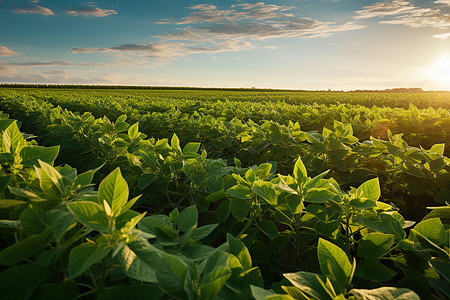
x=375, y=244
x=319, y=195
x=187, y=219
x=216, y=273
x=30, y=155
x=90, y=214
x=370, y=189
x=83, y=256
x=239, y=208
x=240, y=191
x=265, y=190
x=238, y=249
x=114, y=189
x=26, y=248
x=138, y=259
x=334, y=264
x=171, y=272
x=13, y=140
x=433, y=229
x=262, y=294
x=300, y=173
x=59, y=220
x=308, y=283
x=50, y=180
x=384, y=293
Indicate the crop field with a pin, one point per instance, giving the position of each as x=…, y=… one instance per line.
x=223, y=194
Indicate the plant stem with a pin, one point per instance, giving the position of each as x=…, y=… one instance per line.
x=103, y=276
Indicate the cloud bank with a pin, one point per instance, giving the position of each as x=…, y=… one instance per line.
x=406, y=13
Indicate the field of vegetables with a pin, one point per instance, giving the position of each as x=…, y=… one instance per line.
x=215, y=194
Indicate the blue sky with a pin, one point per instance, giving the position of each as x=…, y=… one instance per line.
x=296, y=44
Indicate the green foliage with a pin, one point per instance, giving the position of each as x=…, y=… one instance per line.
x=327, y=222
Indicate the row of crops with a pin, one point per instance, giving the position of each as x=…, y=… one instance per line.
x=258, y=209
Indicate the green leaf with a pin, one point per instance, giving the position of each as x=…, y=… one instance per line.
x=240, y=191
x=26, y=248
x=30, y=155
x=443, y=268
x=308, y=283
x=300, y=173
x=268, y=228
x=83, y=179
x=238, y=249
x=175, y=143
x=19, y=282
x=362, y=203
x=438, y=149
x=120, y=126
x=294, y=203
x=32, y=219
x=204, y=231
x=171, y=272
x=430, y=245
x=215, y=274
x=191, y=148
x=263, y=170
x=60, y=220
x=90, y=214
x=385, y=293
x=319, y=195
x=434, y=230
x=114, y=189
x=260, y=293
x=13, y=140
x=239, y=208
x=50, y=180
x=138, y=259
x=334, y=264
x=370, y=189
x=375, y=244
x=265, y=190
x=7, y=204
x=83, y=256
x=133, y=131
x=187, y=219
x=215, y=183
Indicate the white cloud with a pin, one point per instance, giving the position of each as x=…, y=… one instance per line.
x=405, y=13
x=243, y=11
x=4, y=51
x=293, y=27
x=442, y=36
x=446, y=2
x=34, y=10
x=209, y=29
x=91, y=11
x=385, y=8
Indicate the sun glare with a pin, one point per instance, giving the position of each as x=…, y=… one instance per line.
x=439, y=72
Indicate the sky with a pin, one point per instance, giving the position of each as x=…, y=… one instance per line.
x=286, y=44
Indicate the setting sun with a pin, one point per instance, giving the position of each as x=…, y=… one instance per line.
x=439, y=72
